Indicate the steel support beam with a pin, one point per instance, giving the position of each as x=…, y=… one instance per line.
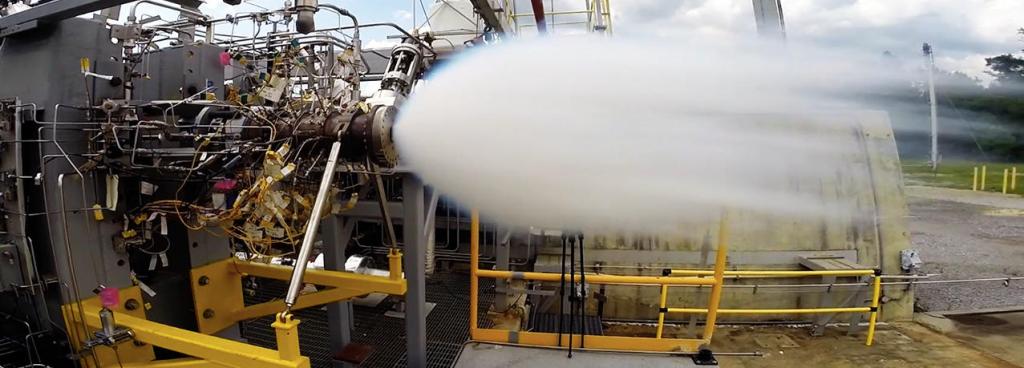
x=54, y=11
x=489, y=14
x=336, y=234
x=415, y=260
x=217, y=350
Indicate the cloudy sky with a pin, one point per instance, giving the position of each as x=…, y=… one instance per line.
x=963, y=32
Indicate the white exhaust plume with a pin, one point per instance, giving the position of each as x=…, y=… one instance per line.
x=611, y=135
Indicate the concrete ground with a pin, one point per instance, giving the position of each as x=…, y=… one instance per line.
x=963, y=234
x=998, y=332
x=481, y=355
x=905, y=344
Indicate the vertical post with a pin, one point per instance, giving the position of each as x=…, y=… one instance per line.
x=876, y=291
x=394, y=263
x=974, y=182
x=1013, y=178
x=984, y=175
x=287, y=336
x=716, y=289
x=931, y=100
x=415, y=262
x=474, y=265
x=336, y=234
x=503, y=289
x=1006, y=180
x=661, y=309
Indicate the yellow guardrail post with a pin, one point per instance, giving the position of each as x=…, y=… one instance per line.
x=876, y=292
x=974, y=182
x=474, y=265
x=1006, y=180
x=662, y=310
x=716, y=289
x=1013, y=178
x=984, y=175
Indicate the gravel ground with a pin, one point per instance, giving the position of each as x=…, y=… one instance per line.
x=960, y=238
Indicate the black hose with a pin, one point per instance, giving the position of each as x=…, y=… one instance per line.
x=561, y=294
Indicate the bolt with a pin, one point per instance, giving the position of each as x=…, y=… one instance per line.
x=203, y=280
x=208, y=313
x=131, y=304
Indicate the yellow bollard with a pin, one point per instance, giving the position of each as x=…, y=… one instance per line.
x=1006, y=180
x=984, y=175
x=1013, y=178
x=974, y=182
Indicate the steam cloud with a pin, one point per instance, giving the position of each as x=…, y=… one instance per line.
x=613, y=135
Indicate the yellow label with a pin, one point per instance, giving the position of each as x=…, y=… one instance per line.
x=84, y=62
x=97, y=212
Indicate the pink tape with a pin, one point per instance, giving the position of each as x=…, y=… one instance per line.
x=110, y=297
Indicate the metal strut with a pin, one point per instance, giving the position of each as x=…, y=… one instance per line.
x=583, y=296
x=572, y=291
x=295, y=283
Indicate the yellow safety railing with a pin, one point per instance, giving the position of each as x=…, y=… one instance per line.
x=601, y=342
x=873, y=309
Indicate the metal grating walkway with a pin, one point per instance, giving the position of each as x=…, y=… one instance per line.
x=447, y=324
x=548, y=322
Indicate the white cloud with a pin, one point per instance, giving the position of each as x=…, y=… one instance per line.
x=401, y=15
x=963, y=32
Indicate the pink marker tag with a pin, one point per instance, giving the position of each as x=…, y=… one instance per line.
x=110, y=297
x=225, y=58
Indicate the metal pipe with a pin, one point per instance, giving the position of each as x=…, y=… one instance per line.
x=131, y=12
x=538, y=16
x=474, y=266
x=69, y=255
x=776, y=273
x=662, y=310
x=596, y=278
x=716, y=290
x=877, y=291
x=773, y=311
x=295, y=284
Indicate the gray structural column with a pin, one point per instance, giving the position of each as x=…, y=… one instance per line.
x=336, y=233
x=414, y=260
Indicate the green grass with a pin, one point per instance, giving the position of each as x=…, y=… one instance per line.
x=960, y=174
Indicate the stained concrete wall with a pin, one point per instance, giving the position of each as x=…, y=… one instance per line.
x=871, y=230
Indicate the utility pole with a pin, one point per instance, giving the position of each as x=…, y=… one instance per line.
x=930, y=64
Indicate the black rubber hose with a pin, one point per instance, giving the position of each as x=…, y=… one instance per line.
x=561, y=294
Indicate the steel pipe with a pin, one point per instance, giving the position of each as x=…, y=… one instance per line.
x=302, y=260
